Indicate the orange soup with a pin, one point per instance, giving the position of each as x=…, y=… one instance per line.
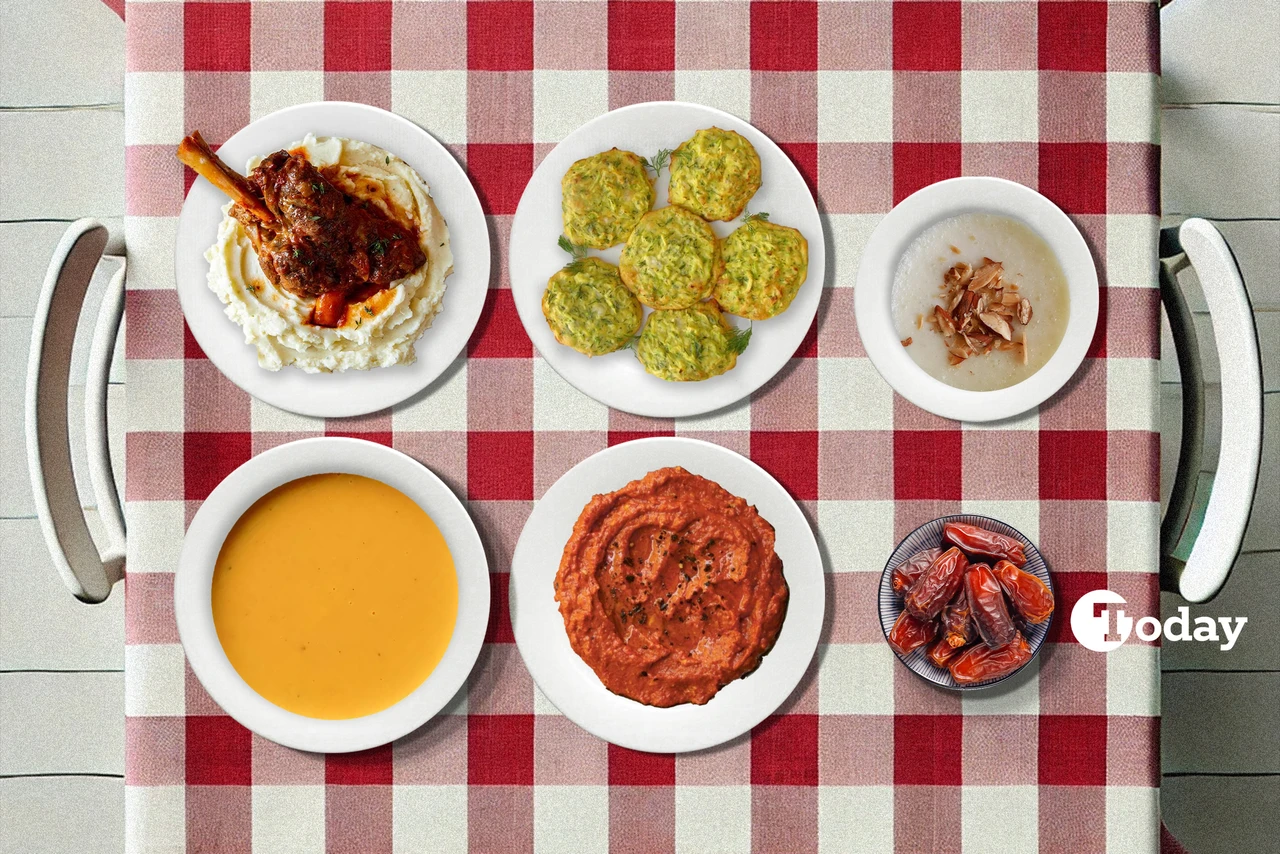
x=334, y=596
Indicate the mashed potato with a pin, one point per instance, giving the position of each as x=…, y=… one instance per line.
x=377, y=332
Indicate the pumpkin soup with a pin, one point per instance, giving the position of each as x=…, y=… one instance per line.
x=334, y=596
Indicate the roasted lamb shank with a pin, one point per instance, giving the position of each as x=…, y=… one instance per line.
x=312, y=239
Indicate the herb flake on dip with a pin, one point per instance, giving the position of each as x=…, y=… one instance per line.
x=1029, y=269
x=375, y=332
x=670, y=588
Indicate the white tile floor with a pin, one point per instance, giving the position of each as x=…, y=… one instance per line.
x=61, y=689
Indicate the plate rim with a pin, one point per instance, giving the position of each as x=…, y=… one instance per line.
x=469, y=207
x=883, y=252
x=885, y=595
x=819, y=238
x=808, y=634
x=224, y=507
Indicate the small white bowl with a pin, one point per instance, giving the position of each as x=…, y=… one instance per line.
x=873, y=294
x=221, y=510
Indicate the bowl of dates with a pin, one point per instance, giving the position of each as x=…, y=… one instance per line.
x=966, y=601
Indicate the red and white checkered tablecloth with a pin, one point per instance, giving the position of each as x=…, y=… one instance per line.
x=872, y=100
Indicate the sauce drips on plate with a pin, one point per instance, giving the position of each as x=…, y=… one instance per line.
x=334, y=596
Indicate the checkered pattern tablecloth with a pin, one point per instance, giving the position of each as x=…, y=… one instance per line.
x=872, y=100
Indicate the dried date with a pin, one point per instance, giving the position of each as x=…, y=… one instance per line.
x=986, y=601
x=941, y=652
x=909, y=571
x=1030, y=596
x=980, y=663
x=937, y=586
x=909, y=634
x=980, y=541
x=957, y=622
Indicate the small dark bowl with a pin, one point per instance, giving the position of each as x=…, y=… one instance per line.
x=928, y=536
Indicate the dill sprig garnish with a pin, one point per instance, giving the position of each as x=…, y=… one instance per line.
x=576, y=252
x=748, y=216
x=739, y=340
x=659, y=161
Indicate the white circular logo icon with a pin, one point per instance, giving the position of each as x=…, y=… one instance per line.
x=1091, y=621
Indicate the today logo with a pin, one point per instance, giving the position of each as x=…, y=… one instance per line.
x=1101, y=627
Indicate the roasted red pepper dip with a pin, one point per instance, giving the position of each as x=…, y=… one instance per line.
x=670, y=588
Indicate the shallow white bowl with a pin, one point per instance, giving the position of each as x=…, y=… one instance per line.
x=568, y=682
x=873, y=295
x=221, y=510
x=346, y=392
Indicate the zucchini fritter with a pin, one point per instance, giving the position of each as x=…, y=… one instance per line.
x=589, y=309
x=764, y=266
x=690, y=344
x=714, y=173
x=604, y=196
x=671, y=259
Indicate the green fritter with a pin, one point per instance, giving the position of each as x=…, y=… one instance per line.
x=690, y=344
x=671, y=259
x=764, y=266
x=589, y=309
x=604, y=197
x=714, y=173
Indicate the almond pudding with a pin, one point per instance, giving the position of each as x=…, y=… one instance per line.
x=980, y=301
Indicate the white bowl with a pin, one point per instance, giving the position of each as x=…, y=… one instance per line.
x=873, y=293
x=221, y=510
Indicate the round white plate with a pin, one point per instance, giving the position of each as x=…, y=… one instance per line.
x=347, y=392
x=873, y=292
x=617, y=379
x=225, y=505
x=574, y=688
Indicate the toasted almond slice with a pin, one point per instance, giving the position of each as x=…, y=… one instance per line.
x=996, y=324
x=954, y=360
x=1009, y=299
x=985, y=275
x=1023, y=348
x=1024, y=311
x=955, y=250
x=919, y=321
x=958, y=274
x=906, y=342
x=945, y=321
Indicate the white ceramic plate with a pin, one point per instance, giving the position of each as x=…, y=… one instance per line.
x=348, y=392
x=617, y=379
x=872, y=295
x=225, y=505
x=574, y=688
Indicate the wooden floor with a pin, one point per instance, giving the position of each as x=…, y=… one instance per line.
x=61, y=685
